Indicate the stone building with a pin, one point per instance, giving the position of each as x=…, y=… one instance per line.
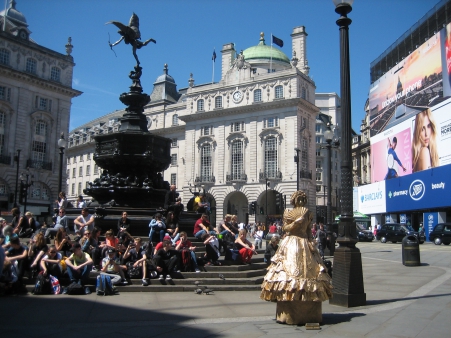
x=35, y=100
x=235, y=138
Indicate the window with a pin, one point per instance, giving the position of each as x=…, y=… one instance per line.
x=80, y=172
x=206, y=131
x=318, y=176
x=271, y=157
x=200, y=105
x=88, y=170
x=68, y=173
x=218, y=102
x=303, y=93
x=38, y=151
x=205, y=163
x=318, y=188
x=237, y=160
x=74, y=159
x=270, y=122
x=96, y=169
x=257, y=95
x=43, y=104
x=55, y=74
x=41, y=128
x=237, y=126
x=173, y=179
x=4, y=56
x=279, y=92
x=79, y=189
x=3, y=189
x=318, y=165
x=5, y=94
x=74, y=171
x=175, y=120
x=174, y=159
x=318, y=139
x=318, y=152
x=31, y=66
x=318, y=128
x=174, y=142
x=73, y=189
x=2, y=131
x=81, y=158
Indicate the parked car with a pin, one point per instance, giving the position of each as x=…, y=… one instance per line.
x=364, y=235
x=395, y=232
x=441, y=234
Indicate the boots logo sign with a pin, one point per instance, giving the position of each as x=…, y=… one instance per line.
x=417, y=190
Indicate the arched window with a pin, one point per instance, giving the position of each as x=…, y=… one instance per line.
x=40, y=191
x=205, y=163
x=31, y=66
x=175, y=120
x=257, y=95
x=271, y=157
x=237, y=160
x=200, y=105
x=4, y=56
x=55, y=74
x=279, y=92
x=218, y=102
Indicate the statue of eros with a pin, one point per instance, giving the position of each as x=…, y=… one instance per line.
x=131, y=35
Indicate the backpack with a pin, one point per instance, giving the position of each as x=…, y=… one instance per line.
x=186, y=260
x=190, y=204
x=104, y=287
x=56, y=287
x=43, y=285
x=75, y=289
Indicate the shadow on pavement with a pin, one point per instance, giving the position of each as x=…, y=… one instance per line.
x=334, y=318
x=385, y=301
x=78, y=316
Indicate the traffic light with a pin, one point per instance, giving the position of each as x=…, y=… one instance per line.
x=278, y=199
x=22, y=192
x=251, y=208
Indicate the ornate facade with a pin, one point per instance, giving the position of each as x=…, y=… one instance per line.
x=35, y=100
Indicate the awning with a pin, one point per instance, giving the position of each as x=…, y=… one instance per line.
x=357, y=214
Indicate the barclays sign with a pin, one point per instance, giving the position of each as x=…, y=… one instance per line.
x=372, y=198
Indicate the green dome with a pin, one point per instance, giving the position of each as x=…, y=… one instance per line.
x=262, y=51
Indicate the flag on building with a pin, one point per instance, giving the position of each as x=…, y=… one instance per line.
x=214, y=56
x=277, y=41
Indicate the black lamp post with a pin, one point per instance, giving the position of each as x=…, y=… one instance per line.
x=61, y=146
x=348, y=276
x=24, y=185
x=17, y=159
x=296, y=159
x=328, y=135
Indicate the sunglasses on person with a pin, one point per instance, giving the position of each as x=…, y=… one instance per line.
x=87, y=233
x=52, y=252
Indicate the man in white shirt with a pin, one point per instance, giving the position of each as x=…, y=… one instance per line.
x=83, y=222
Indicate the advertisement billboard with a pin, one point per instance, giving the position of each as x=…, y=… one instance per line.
x=410, y=112
x=422, y=190
x=372, y=198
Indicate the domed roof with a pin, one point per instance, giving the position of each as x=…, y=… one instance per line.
x=262, y=51
x=165, y=77
x=14, y=15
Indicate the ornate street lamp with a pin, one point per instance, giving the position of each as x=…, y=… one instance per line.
x=348, y=276
x=61, y=146
x=24, y=185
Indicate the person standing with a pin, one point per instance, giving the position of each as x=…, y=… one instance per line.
x=321, y=238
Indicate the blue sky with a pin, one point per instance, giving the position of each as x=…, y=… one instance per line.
x=187, y=31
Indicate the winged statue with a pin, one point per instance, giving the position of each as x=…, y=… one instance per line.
x=130, y=34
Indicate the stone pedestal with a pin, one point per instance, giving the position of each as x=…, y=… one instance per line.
x=298, y=312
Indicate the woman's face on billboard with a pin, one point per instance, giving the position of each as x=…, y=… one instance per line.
x=426, y=130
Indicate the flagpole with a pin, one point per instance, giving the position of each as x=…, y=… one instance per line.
x=213, y=63
x=270, y=63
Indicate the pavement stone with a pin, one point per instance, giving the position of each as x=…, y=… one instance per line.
x=401, y=302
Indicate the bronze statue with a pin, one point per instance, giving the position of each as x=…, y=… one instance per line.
x=131, y=35
x=297, y=277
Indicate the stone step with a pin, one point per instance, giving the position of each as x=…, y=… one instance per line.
x=172, y=287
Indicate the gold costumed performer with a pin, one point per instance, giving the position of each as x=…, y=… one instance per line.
x=297, y=278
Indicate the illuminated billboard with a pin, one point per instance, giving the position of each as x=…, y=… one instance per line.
x=410, y=112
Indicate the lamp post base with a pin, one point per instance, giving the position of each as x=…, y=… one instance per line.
x=347, y=277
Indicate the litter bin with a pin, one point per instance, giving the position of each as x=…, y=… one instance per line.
x=410, y=251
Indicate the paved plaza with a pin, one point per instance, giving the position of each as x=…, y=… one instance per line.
x=401, y=302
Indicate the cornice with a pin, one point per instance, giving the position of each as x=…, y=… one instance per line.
x=280, y=103
x=164, y=131
x=45, y=84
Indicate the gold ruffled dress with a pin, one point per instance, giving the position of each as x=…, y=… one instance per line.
x=297, y=271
